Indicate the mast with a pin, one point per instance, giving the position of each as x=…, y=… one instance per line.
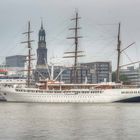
x=76, y=51
x=119, y=55
x=76, y=46
x=119, y=52
x=29, y=53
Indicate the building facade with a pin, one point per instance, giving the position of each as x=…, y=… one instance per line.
x=132, y=74
x=94, y=72
x=97, y=72
x=16, y=61
x=16, y=64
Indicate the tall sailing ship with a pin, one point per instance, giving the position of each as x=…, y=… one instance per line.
x=58, y=92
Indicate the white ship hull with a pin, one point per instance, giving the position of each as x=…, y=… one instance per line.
x=73, y=96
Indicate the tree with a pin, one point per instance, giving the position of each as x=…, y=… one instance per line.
x=113, y=76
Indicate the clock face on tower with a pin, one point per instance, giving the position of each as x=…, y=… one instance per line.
x=42, y=44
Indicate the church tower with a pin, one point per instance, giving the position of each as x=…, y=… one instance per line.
x=42, y=50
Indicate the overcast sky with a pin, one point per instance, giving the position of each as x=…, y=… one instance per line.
x=99, y=27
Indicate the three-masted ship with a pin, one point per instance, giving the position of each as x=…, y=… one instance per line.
x=50, y=91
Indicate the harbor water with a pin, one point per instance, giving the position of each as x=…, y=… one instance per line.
x=41, y=121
